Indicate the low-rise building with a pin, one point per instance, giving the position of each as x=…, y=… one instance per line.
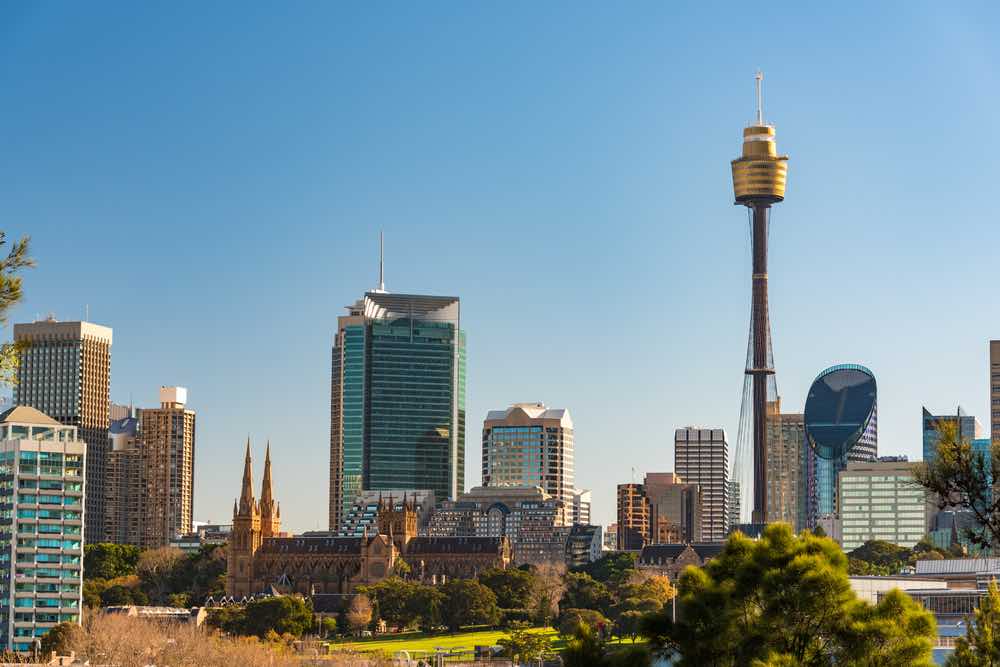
x=583, y=545
x=879, y=500
x=671, y=559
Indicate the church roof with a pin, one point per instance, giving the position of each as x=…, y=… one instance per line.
x=453, y=545
x=311, y=545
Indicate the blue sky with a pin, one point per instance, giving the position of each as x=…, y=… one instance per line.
x=210, y=179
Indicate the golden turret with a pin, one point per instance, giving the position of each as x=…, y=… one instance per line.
x=759, y=174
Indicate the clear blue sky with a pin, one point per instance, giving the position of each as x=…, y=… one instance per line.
x=211, y=178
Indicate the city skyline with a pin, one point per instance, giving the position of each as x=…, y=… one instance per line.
x=193, y=216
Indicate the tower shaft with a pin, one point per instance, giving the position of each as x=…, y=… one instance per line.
x=760, y=363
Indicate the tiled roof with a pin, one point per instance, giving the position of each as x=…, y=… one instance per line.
x=305, y=545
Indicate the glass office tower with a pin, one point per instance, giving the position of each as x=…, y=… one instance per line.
x=41, y=525
x=397, y=414
x=841, y=422
x=969, y=429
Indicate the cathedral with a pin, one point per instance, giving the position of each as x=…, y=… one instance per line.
x=261, y=558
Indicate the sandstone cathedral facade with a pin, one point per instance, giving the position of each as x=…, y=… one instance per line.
x=261, y=558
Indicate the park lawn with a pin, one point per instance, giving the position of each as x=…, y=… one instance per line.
x=419, y=641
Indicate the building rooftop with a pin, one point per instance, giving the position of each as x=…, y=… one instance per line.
x=22, y=414
x=532, y=411
x=959, y=566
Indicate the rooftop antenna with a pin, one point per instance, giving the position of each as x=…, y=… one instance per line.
x=381, y=264
x=758, y=78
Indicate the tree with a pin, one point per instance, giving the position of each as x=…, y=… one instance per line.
x=583, y=592
x=522, y=645
x=881, y=552
x=629, y=624
x=547, y=591
x=359, y=613
x=570, y=619
x=394, y=599
x=281, y=613
x=468, y=602
x=959, y=477
x=612, y=569
x=109, y=561
x=981, y=643
x=156, y=570
x=512, y=587
x=648, y=587
x=62, y=639
x=787, y=597
x=424, y=606
x=585, y=649
x=11, y=294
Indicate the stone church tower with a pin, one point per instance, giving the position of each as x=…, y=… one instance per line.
x=400, y=525
x=252, y=522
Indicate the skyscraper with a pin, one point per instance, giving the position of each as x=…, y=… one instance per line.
x=758, y=183
x=701, y=456
x=841, y=422
x=675, y=508
x=168, y=441
x=397, y=409
x=125, y=483
x=529, y=444
x=41, y=569
x=968, y=427
x=65, y=371
x=785, y=462
x=633, y=517
x=995, y=391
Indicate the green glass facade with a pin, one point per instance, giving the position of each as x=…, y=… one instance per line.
x=398, y=399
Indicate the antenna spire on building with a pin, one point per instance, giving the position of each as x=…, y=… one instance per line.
x=758, y=79
x=381, y=264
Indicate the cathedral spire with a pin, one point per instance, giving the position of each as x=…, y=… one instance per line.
x=247, y=505
x=267, y=507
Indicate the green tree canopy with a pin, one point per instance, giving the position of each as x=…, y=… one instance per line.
x=570, y=619
x=63, y=639
x=523, y=645
x=468, y=602
x=512, y=587
x=612, y=569
x=583, y=592
x=786, y=597
x=109, y=561
x=282, y=614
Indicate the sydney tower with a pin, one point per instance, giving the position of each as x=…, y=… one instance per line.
x=758, y=183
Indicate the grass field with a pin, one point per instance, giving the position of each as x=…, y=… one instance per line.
x=418, y=641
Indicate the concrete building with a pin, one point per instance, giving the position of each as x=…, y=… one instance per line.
x=675, y=509
x=701, y=456
x=363, y=515
x=584, y=545
x=65, y=372
x=41, y=573
x=786, y=442
x=734, y=503
x=633, y=517
x=149, y=470
x=611, y=537
x=397, y=405
x=527, y=516
x=994, y=385
x=581, y=507
x=879, y=501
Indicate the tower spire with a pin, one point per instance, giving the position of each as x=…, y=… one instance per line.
x=758, y=82
x=246, y=493
x=381, y=263
x=266, y=490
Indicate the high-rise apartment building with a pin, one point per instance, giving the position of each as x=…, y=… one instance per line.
x=995, y=390
x=65, y=371
x=397, y=409
x=701, y=456
x=675, y=509
x=529, y=444
x=581, y=507
x=150, y=474
x=168, y=440
x=786, y=442
x=42, y=465
x=633, y=517
x=880, y=501
x=125, y=483
x=734, y=503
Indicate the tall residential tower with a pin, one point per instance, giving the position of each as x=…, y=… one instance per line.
x=758, y=183
x=65, y=371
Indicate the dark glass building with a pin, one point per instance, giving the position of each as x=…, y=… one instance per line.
x=841, y=424
x=397, y=413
